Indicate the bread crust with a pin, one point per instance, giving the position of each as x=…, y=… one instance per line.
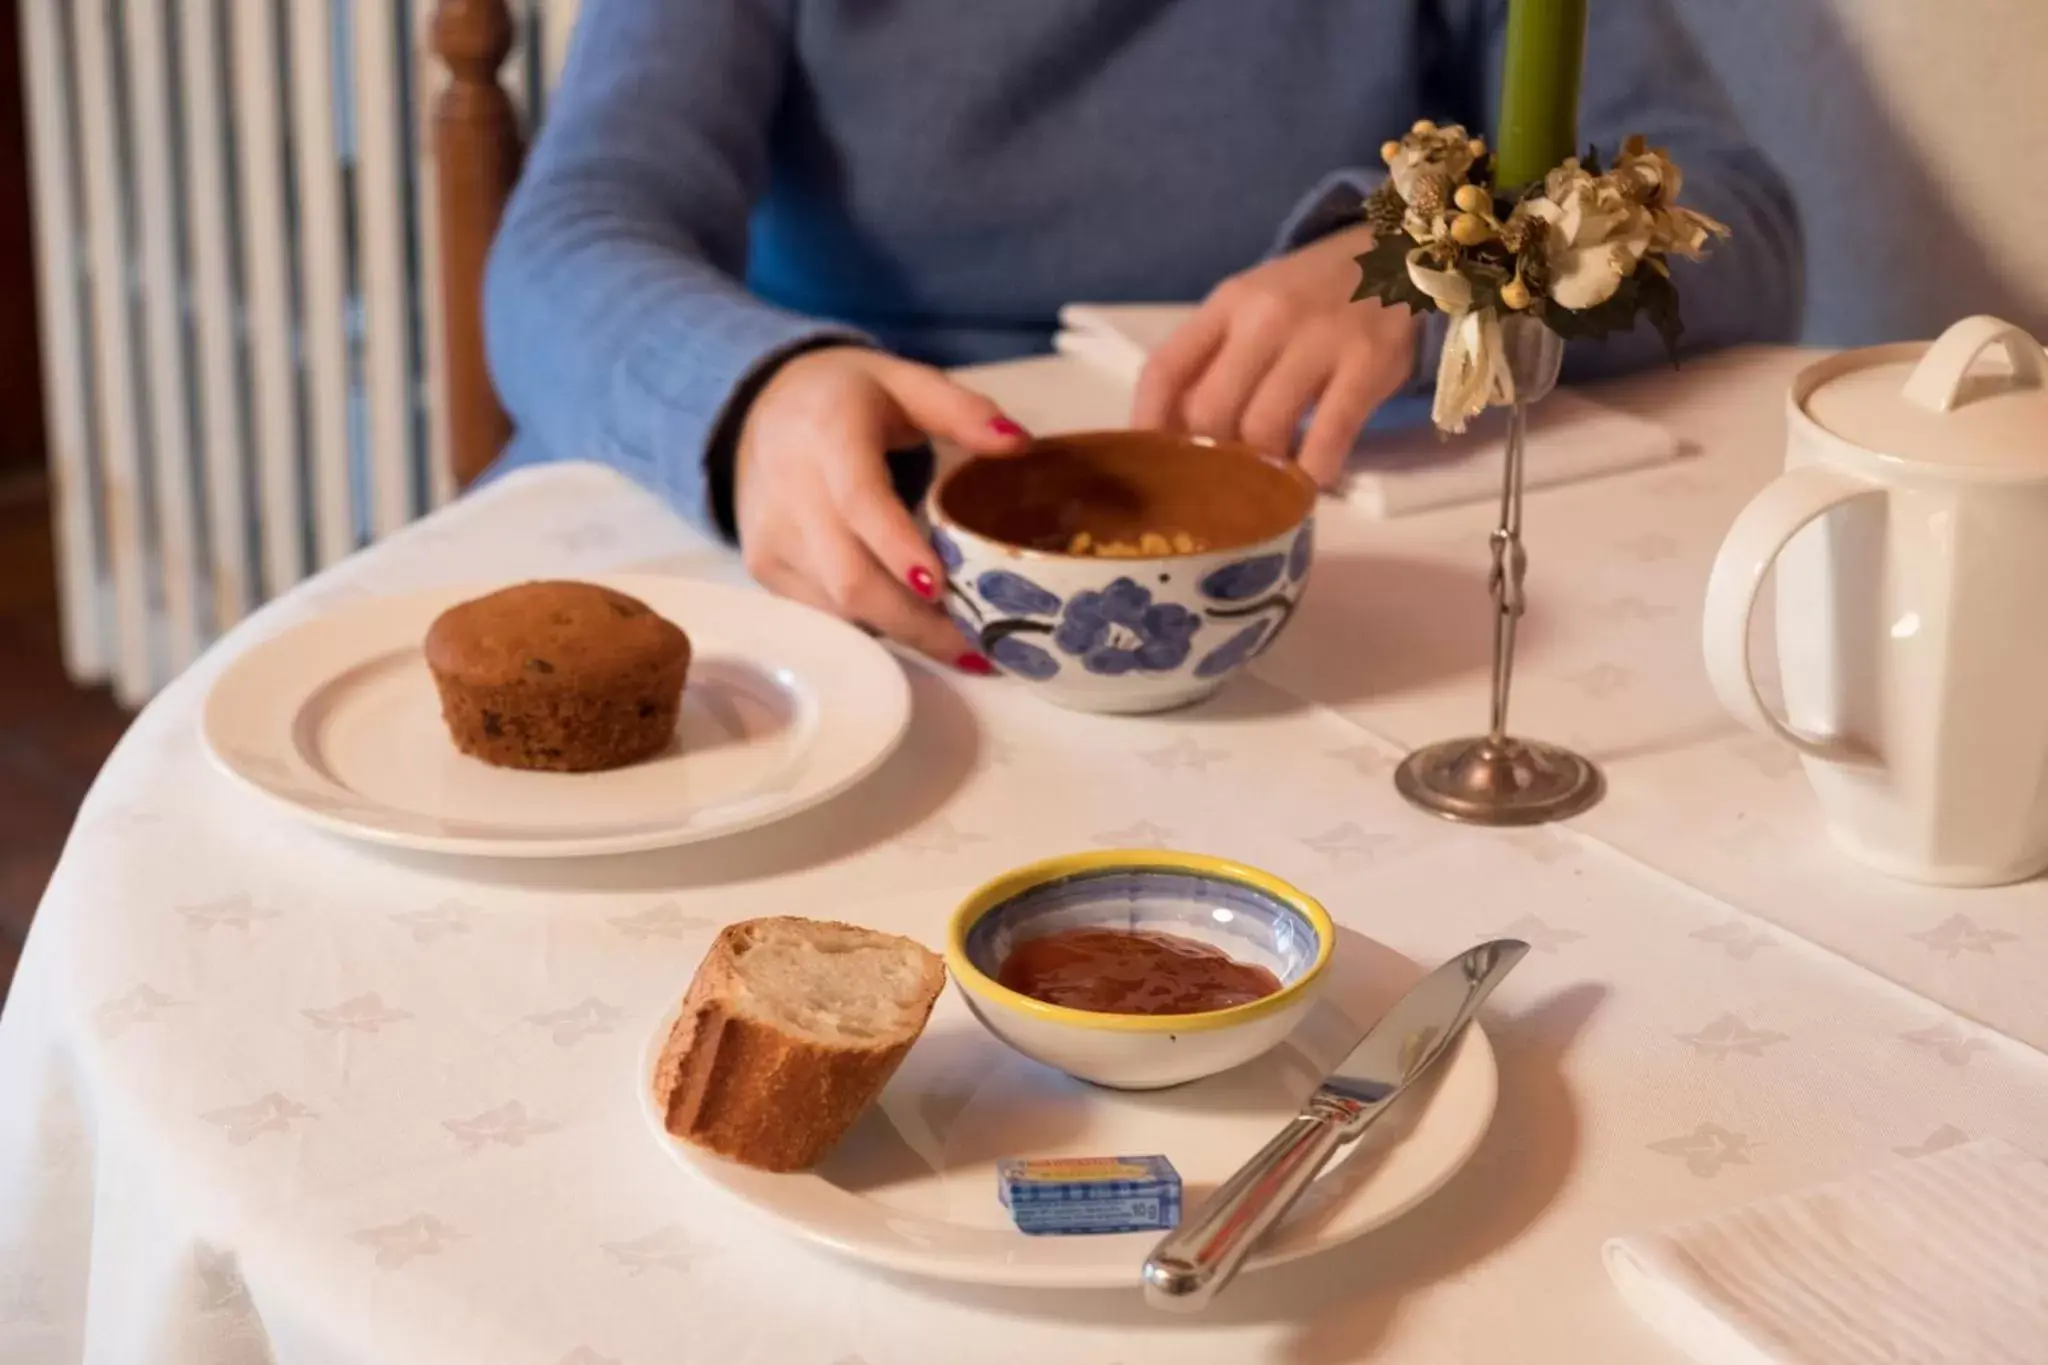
x=751, y=1092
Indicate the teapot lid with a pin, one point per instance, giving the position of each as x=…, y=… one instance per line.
x=1936, y=404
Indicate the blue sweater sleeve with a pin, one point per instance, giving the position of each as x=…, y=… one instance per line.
x=617, y=326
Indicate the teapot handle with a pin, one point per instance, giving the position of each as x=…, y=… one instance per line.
x=1937, y=381
x=1797, y=498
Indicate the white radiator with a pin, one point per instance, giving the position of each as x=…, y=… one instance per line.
x=235, y=233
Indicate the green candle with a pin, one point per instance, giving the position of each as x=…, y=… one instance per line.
x=1539, y=96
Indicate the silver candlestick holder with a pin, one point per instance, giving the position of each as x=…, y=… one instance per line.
x=1495, y=778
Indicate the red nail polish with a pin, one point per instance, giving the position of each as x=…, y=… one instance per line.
x=923, y=584
x=1003, y=426
x=976, y=664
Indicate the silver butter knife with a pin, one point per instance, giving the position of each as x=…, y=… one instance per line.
x=1192, y=1263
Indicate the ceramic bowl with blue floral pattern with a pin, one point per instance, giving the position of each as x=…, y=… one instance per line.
x=1124, y=571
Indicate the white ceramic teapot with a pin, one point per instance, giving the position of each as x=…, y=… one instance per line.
x=1913, y=616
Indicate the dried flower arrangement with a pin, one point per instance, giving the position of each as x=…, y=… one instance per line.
x=1582, y=250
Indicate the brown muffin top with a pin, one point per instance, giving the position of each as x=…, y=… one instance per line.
x=551, y=635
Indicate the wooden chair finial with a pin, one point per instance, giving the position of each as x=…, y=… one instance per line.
x=477, y=152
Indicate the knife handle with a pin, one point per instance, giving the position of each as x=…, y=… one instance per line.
x=1194, y=1261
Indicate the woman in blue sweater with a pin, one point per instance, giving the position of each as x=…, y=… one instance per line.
x=752, y=229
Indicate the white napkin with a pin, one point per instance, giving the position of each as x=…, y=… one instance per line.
x=1943, y=1258
x=1394, y=472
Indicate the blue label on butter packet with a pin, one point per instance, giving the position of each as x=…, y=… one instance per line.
x=1090, y=1194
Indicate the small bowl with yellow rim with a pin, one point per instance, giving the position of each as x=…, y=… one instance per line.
x=1249, y=916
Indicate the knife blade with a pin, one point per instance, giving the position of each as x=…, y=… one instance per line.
x=1193, y=1263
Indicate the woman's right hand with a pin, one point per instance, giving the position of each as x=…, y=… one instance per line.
x=818, y=519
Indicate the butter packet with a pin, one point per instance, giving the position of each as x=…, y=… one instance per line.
x=1089, y=1194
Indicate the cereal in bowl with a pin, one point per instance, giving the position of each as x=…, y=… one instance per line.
x=1149, y=545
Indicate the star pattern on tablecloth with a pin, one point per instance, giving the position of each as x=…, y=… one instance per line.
x=1959, y=934
x=143, y=1004
x=583, y=1355
x=1740, y=941
x=1184, y=753
x=1649, y=547
x=666, y=1248
x=940, y=835
x=1623, y=611
x=1541, y=937
x=1363, y=759
x=508, y=1125
x=1601, y=680
x=1940, y=1140
x=1728, y=1036
x=399, y=1243
x=1144, y=834
x=431, y=925
x=584, y=1019
x=666, y=920
x=1949, y=1041
x=1706, y=1149
x=1350, y=842
x=357, y=1014
x=1545, y=846
x=236, y=912
x=244, y=1123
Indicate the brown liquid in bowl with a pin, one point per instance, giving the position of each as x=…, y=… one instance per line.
x=1117, y=971
x=1118, y=485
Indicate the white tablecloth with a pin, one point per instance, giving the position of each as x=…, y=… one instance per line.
x=265, y=1094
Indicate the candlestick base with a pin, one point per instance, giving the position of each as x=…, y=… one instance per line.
x=1481, y=781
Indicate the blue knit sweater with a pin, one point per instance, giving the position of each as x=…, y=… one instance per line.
x=720, y=182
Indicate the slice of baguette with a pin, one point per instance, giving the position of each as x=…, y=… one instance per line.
x=788, y=1033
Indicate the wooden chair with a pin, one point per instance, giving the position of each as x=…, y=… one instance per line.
x=477, y=155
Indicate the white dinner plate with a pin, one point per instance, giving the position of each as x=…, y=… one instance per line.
x=338, y=721
x=913, y=1186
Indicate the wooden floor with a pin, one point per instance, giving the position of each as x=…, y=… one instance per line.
x=53, y=735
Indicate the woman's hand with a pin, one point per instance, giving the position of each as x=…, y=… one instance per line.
x=1269, y=345
x=818, y=519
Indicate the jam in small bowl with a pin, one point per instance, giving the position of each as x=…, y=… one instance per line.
x=1124, y=571
x=1137, y=968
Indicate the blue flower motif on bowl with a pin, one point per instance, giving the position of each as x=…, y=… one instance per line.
x=947, y=551
x=1121, y=629
x=1243, y=579
x=1232, y=652
x=1023, y=658
x=1015, y=594
x=1299, y=552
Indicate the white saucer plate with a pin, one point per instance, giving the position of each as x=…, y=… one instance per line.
x=338, y=721
x=913, y=1187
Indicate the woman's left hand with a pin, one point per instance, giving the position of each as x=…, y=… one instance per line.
x=1269, y=345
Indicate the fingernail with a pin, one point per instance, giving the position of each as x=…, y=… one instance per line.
x=1003, y=426
x=974, y=663
x=923, y=584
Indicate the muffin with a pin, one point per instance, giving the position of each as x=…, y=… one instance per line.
x=569, y=677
